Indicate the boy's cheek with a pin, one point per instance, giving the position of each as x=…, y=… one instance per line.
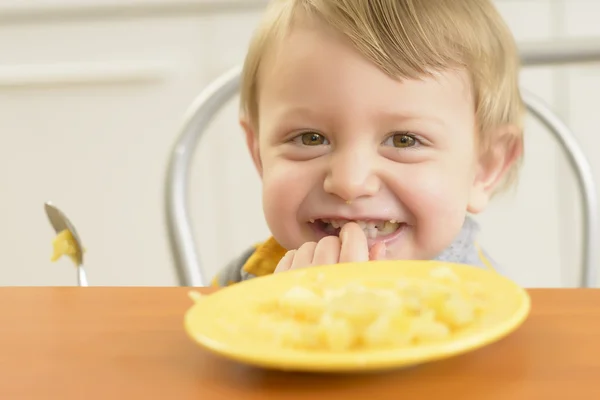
x=284, y=188
x=284, y=178
x=436, y=204
x=427, y=188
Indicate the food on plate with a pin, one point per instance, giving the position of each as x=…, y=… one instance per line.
x=195, y=296
x=390, y=314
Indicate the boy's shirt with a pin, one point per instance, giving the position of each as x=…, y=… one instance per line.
x=263, y=258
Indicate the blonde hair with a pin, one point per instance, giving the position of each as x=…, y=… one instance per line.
x=409, y=39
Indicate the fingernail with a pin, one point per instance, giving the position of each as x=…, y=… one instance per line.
x=343, y=235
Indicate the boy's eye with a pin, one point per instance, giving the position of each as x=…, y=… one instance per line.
x=402, y=140
x=313, y=139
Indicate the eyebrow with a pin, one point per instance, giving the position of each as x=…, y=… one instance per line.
x=400, y=117
x=298, y=111
x=388, y=116
x=298, y=115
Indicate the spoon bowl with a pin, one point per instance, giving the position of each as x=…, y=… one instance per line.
x=60, y=222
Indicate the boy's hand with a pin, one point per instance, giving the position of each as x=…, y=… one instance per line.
x=351, y=246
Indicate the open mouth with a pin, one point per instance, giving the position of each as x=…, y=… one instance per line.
x=372, y=228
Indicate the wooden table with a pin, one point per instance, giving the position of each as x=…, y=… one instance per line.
x=96, y=343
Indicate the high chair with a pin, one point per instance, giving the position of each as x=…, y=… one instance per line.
x=220, y=91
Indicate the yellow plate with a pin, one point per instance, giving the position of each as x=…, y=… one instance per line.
x=225, y=322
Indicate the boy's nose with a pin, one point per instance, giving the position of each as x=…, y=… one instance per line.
x=351, y=176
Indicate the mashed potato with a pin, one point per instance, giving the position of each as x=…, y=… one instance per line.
x=401, y=313
x=64, y=245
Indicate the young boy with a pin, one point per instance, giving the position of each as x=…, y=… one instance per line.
x=376, y=126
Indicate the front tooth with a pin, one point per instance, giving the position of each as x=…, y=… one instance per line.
x=312, y=221
x=362, y=224
x=371, y=225
x=335, y=223
x=393, y=221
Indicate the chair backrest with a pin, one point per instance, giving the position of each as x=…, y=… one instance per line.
x=223, y=89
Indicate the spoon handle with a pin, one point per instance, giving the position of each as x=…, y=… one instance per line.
x=81, y=276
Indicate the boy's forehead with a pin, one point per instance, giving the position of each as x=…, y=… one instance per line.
x=313, y=57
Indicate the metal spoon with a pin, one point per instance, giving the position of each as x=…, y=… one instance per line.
x=60, y=222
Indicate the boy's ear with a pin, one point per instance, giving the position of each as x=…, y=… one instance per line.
x=252, y=143
x=493, y=164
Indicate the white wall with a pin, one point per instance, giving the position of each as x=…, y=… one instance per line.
x=91, y=98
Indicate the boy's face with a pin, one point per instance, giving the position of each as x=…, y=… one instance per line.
x=339, y=140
